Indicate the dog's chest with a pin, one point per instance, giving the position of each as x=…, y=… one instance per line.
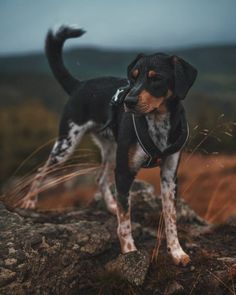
x=158, y=128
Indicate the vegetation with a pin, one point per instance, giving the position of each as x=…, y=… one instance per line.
x=31, y=99
x=25, y=128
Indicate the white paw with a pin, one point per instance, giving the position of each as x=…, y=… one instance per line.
x=180, y=257
x=27, y=203
x=128, y=247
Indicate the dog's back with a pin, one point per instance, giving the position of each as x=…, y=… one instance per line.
x=89, y=99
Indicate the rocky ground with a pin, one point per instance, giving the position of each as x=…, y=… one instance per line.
x=77, y=252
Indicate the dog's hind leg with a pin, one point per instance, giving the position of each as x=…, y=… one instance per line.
x=61, y=151
x=107, y=148
x=168, y=195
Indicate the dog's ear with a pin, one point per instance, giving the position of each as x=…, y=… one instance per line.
x=185, y=75
x=133, y=63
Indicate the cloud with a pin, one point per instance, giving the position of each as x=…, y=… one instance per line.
x=123, y=24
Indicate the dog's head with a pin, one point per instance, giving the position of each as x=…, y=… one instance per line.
x=154, y=79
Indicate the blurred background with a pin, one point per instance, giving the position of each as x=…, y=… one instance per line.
x=202, y=32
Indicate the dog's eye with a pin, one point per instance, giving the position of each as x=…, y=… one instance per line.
x=154, y=76
x=135, y=74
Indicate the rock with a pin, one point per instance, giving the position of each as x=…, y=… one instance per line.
x=10, y=261
x=6, y=276
x=132, y=266
x=66, y=253
x=143, y=197
x=174, y=288
x=230, y=260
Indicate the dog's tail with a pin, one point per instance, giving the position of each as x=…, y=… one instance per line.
x=53, y=48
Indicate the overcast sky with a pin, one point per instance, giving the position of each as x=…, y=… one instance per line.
x=118, y=23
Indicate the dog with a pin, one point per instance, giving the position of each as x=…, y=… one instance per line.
x=151, y=102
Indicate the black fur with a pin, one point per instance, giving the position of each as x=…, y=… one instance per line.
x=89, y=99
x=53, y=49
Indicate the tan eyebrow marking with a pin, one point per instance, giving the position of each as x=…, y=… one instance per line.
x=135, y=73
x=152, y=74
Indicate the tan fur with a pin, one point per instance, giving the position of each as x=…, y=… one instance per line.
x=152, y=74
x=135, y=73
x=148, y=103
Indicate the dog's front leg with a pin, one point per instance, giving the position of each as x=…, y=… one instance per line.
x=124, y=178
x=168, y=195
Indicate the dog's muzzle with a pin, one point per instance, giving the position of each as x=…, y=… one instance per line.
x=131, y=102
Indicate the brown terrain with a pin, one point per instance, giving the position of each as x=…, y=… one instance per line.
x=73, y=247
x=77, y=251
x=206, y=183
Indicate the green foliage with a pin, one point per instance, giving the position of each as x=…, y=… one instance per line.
x=23, y=129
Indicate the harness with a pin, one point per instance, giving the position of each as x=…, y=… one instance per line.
x=177, y=138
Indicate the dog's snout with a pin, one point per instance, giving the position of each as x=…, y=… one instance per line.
x=131, y=101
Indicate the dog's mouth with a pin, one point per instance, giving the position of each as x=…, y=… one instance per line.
x=137, y=110
x=145, y=103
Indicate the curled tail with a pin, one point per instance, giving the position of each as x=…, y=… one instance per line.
x=53, y=48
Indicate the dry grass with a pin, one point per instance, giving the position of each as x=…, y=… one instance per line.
x=207, y=183
x=160, y=232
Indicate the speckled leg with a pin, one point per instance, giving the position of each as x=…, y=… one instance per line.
x=108, y=148
x=124, y=231
x=168, y=194
x=61, y=151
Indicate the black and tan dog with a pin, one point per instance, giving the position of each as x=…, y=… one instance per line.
x=157, y=84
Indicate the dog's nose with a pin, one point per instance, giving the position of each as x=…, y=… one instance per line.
x=131, y=101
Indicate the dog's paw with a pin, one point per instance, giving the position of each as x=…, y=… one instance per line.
x=128, y=247
x=27, y=203
x=180, y=258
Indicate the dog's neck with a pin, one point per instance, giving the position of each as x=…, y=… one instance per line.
x=159, y=128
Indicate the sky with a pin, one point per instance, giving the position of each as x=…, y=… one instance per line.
x=125, y=24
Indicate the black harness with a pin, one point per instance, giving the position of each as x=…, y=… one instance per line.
x=177, y=138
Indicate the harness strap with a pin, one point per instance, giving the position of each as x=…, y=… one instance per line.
x=178, y=134
x=144, y=139
x=154, y=153
x=116, y=100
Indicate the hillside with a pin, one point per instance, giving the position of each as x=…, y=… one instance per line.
x=28, y=76
x=26, y=82
x=214, y=64
x=104, y=61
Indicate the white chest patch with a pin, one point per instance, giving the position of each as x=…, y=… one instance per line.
x=159, y=127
